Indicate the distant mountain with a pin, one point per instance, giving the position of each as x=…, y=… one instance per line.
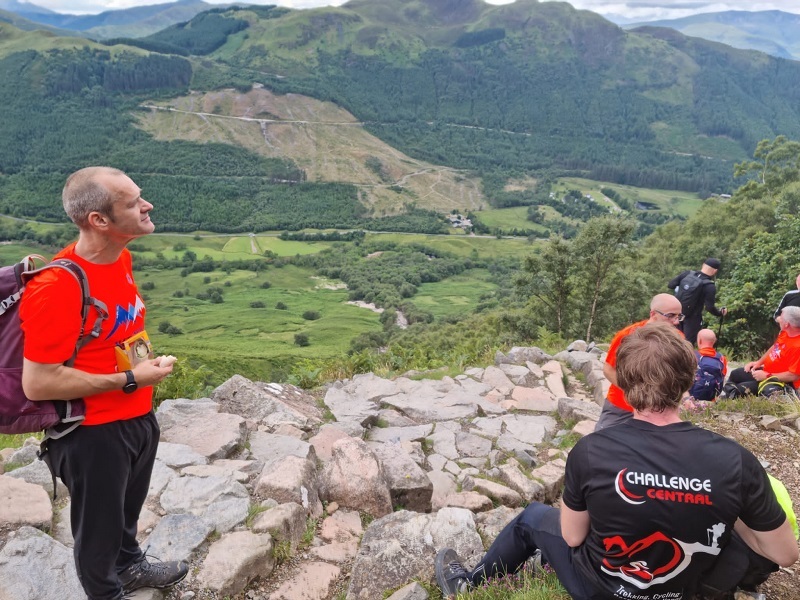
x=526, y=91
x=771, y=31
x=28, y=25
x=24, y=8
x=133, y=22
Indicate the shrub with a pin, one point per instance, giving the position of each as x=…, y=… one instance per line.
x=206, y=279
x=257, y=304
x=265, y=285
x=301, y=339
x=148, y=285
x=177, y=294
x=281, y=306
x=311, y=315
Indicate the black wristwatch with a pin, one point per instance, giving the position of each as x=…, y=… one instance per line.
x=130, y=385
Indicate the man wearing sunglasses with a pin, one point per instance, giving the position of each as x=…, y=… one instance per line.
x=664, y=308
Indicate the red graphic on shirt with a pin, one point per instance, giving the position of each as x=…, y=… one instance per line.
x=638, y=560
x=625, y=491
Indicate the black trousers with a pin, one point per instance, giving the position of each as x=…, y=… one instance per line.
x=107, y=471
x=690, y=326
x=736, y=566
x=537, y=527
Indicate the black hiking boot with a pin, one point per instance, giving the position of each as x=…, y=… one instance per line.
x=451, y=576
x=159, y=575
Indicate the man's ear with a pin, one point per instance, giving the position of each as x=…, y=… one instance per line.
x=98, y=220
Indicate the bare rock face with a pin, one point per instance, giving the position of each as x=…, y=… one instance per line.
x=353, y=478
x=293, y=479
x=235, y=560
x=23, y=503
x=401, y=546
x=28, y=556
x=273, y=404
x=409, y=486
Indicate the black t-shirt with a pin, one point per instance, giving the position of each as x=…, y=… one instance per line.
x=662, y=502
x=791, y=298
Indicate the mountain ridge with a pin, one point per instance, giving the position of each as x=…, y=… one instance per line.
x=772, y=31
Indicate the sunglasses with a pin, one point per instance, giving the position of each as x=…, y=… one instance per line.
x=672, y=316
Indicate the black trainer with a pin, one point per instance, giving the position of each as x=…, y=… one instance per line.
x=159, y=575
x=451, y=575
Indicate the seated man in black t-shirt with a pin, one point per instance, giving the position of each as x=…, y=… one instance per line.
x=647, y=508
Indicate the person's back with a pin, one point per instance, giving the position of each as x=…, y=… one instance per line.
x=667, y=515
x=711, y=368
x=696, y=290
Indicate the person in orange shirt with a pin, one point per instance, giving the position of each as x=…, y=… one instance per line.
x=778, y=370
x=664, y=308
x=107, y=461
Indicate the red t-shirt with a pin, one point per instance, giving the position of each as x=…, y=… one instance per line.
x=615, y=395
x=784, y=356
x=50, y=311
x=712, y=352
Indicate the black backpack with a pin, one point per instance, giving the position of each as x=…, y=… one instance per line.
x=708, y=378
x=18, y=414
x=690, y=291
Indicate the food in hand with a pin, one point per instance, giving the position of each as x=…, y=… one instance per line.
x=167, y=361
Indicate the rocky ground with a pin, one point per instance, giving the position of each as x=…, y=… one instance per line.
x=269, y=500
x=779, y=450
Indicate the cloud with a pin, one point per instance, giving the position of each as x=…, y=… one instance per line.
x=634, y=10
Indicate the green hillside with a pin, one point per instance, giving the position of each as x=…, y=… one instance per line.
x=445, y=93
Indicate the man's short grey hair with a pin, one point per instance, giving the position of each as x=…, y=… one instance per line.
x=791, y=314
x=83, y=194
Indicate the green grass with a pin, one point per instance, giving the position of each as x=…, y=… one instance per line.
x=508, y=218
x=460, y=245
x=520, y=586
x=233, y=338
x=671, y=202
x=457, y=295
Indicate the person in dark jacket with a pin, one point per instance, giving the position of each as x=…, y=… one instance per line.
x=706, y=296
x=790, y=298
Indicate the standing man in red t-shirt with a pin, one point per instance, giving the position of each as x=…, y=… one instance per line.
x=664, y=308
x=106, y=462
x=780, y=365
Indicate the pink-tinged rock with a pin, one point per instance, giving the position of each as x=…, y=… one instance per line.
x=472, y=501
x=312, y=581
x=585, y=427
x=23, y=503
x=235, y=560
x=324, y=440
x=538, y=399
x=354, y=479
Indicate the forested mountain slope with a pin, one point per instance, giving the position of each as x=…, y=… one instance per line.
x=527, y=89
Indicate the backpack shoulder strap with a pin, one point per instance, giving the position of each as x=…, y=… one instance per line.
x=87, y=301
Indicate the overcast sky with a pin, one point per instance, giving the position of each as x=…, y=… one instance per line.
x=639, y=10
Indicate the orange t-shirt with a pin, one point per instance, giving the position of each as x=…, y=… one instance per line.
x=50, y=311
x=615, y=395
x=712, y=352
x=784, y=356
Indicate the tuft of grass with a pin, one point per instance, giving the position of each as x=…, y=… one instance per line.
x=252, y=512
x=309, y=533
x=520, y=586
x=568, y=441
x=366, y=519
x=16, y=441
x=281, y=551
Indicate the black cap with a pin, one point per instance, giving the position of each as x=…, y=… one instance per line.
x=713, y=263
